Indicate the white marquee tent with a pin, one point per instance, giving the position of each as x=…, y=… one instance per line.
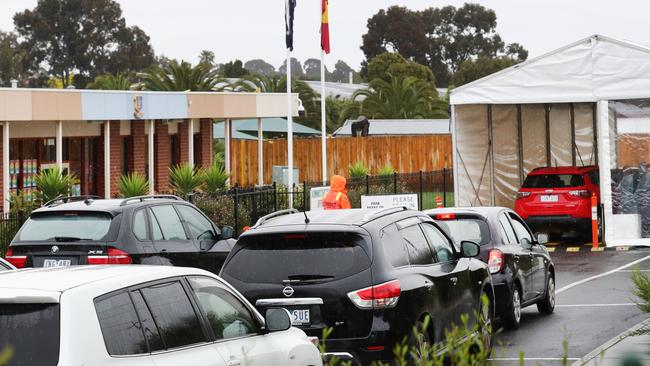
x=587, y=103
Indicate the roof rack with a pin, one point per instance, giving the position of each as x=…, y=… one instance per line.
x=86, y=198
x=383, y=212
x=266, y=218
x=129, y=200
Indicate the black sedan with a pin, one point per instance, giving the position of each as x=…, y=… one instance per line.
x=522, y=271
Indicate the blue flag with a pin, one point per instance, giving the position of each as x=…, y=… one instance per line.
x=289, y=12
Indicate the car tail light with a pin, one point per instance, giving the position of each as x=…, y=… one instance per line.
x=445, y=216
x=375, y=348
x=583, y=193
x=114, y=256
x=495, y=261
x=523, y=194
x=18, y=261
x=377, y=297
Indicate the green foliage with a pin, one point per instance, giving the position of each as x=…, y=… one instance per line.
x=471, y=70
x=221, y=210
x=439, y=38
x=386, y=170
x=175, y=76
x=334, y=107
x=11, y=59
x=296, y=69
x=52, y=184
x=22, y=203
x=259, y=66
x=641, y=290
x=233, y=69
x=389, y=63
x=120, y=81
x=206, y=58
x=184, y=179
x=358, y=170
x=215, y=177
x=133, y=184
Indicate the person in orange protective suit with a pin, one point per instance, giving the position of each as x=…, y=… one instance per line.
x=337, y=197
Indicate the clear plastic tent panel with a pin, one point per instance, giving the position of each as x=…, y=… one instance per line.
x=630, y=170
x=472, y=156
x=561, y=140
x=533, y=119
x=584, y=127
x=505, y=138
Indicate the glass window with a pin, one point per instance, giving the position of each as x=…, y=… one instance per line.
x=315, y=257
x=200, y=227
x=120, y=325
x=462, y=229
x=90, y=226
x=32, y=331
x=140, y=225
x=507, y=233
x=394, y=247
x=169, y=223
x=228, y=317
x=173, y=313
x=521, y=230
x=439, y=243
x=594, y=177
x=554, y=181
x=416, y=245
x=146, y=320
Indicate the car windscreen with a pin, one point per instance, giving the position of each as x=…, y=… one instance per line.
x=467, y=229
x=31, y=333
x=313, y=257
x=553, y=181
x=66, y=226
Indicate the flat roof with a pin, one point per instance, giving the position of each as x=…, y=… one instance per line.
x=399, y=127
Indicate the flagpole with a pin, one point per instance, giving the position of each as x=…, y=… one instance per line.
x=323, y=113
x=289, y=128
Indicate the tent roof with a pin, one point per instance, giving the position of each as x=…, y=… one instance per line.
x=592, y=69
x=399, y=127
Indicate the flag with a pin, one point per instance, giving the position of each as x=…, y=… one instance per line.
x=290, y=7
x=325, y=27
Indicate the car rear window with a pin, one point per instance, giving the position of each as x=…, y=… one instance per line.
x=31, y=331
x=467, y=229
x=553, y=181
x=299, y=257
x=66, y=226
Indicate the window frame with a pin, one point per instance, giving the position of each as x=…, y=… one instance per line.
x=505, y=231
x=147, y=224
x=432, y=254
x=395, y=227
x=513, y=217
x=449, y=241
x=152, y=214
x=215, y=230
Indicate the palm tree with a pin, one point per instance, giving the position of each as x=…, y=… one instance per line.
x=120, y=81
x=276, y=84
x=181, y=76
x=396, y=98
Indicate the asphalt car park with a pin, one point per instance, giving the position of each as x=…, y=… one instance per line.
x=594, y=305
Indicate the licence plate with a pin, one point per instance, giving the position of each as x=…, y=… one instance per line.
x=549, y=198
x=51, y=263
x=299, y=317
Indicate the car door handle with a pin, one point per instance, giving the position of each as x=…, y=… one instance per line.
x=428, y=285
x=516, y=258
x=454, y=280
x=233, y=362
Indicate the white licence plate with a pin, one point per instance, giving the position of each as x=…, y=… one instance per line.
x=549, y=198
x=299, y=317
x=51, y=263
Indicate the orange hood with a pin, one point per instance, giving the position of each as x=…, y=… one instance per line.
x=338, y=184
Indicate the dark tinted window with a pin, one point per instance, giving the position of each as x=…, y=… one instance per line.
x=394, y=246
x=173, y=313
x=169, y=223
x=313, y=256
x=520, y=229
x=507, y=233
x=228, y=317
x=199, y=226
x=594, y=177
x=32, y=331
x=416, y=245
x=140, y=225
x=120, y=326
x=439, y=243
x=76, y=225
x=467, y=229
x=553, y=181
x=148, y=324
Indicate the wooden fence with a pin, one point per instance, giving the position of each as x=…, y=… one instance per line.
x=406, y=154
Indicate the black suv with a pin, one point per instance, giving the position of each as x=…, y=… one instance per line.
x=158, y=230
x=369, y=275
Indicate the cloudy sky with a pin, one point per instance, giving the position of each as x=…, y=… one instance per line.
x=248, y=29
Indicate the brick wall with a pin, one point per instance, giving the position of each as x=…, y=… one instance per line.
x=204, y=144
x=139, y=146
x=116, y=157
x=183, y=129
x=2, y=168
x=161, y=157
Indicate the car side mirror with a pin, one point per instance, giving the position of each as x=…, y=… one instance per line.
x=469, y=249
x=227, y=232
x=277, y=319
x=542, y=238
x=206, y=245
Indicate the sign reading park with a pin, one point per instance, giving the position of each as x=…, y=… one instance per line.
x=396, y=200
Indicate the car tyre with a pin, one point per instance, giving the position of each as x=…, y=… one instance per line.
x=486, y=321
x=547, y=305
x=512, y=314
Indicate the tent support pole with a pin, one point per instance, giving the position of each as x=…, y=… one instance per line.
x=594, y=113
x=520, y=145
x=490, y=154
x=574, y=146
x=547, y=110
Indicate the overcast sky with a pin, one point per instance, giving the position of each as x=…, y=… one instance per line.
x=247, y=29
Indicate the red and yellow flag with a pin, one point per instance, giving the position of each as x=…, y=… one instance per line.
x=325, y=27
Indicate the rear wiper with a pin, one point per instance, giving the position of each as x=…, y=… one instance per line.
x=68, y=238
x=308, y=278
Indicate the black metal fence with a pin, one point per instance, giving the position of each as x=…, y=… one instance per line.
x=243, y=207
x=9, y=225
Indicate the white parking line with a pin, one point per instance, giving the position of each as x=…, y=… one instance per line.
x=633, y=270
x=578, y=283
x=593, y=305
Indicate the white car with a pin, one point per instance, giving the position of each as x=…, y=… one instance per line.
x=141, y=315
x=5, y=266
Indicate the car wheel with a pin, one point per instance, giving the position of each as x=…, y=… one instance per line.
x=547, y=305
x=512, y=314
x=486, y=316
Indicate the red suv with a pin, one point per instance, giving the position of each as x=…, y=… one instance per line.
x=558, y=200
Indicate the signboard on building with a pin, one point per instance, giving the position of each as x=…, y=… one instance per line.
x=396, y=200
x=316, y=195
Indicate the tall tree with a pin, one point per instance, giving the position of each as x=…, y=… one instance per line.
x=120, y=81
x=471, y=70
x=84, y=38
x=233, y=69
x=12, y=57
x=207, y=58
x=312, y=69
x=296, y=68
x=389, y=63
x=342, y=72
x=440, y=38
x=260, y=67
x=180, y=77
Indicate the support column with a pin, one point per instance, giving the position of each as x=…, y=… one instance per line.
x=5, y=167
x=260, y=152
x=59, y=145
x=150, y=143
x=161, y=142
x=138, y=148
x=605, y=165
x=190, y=143
x=227, y=140
x=107, y=159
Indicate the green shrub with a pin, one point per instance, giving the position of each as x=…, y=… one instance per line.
x=386, y=170
x=641, y=290
x=215, y=177
x=22, y=203
x=52, y=184
x=184, y=179
x=133, y=184
x=358, y=170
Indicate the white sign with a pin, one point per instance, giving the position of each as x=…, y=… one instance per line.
x=397, y=200
x=316, y=196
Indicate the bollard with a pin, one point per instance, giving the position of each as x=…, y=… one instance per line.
x=594, y=221
x=438, y=202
